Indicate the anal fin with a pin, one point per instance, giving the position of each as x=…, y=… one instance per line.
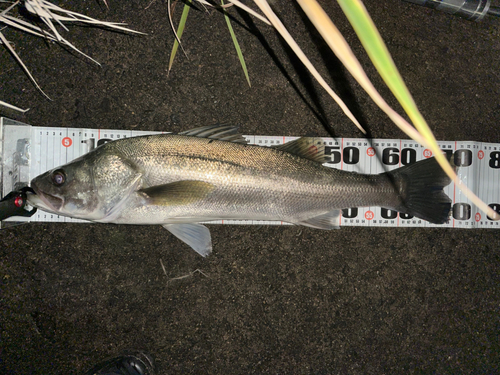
x=328, y=221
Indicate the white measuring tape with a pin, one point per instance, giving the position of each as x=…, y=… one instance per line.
x=28, y=151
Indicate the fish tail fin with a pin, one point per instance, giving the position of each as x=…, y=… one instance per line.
x=420, y=186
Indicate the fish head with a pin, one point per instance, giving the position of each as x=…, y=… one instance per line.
x=92, y=187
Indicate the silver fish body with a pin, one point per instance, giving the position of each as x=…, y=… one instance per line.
x=181, y=180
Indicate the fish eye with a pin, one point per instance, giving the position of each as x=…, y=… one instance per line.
x=58, y=177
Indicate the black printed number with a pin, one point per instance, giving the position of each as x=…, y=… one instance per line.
x=495, y=159
x=332, y=150
x=390, y=156
x=350, y=213
x=461, y=211
x=405, y=216
x=463, y=158
x=351, y=155
x=495, y=207
x=388, y=214
x=103, y=141
x=408, y=156
x=448, y=153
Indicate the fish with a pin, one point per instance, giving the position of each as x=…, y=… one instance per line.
x=211, y=173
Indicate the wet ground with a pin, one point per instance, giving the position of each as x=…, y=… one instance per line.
x=281, y=300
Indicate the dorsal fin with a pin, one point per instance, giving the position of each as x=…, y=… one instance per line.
x=306, y=147
x=228, y=133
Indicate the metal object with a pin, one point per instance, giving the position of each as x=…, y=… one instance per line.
x=473, y=10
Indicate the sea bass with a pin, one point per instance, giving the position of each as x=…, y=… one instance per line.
x=210, y=173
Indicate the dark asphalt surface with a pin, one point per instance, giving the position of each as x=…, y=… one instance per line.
x=275, y=300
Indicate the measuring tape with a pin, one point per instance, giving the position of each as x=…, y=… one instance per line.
x=28, y=151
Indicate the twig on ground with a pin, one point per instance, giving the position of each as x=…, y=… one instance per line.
x=190, y=274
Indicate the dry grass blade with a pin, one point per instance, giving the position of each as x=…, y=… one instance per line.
x=13, y=5
x=70, y=45
x=53, y=12
x=239, y=5
x=10, y=106
x=266, y=9
x=43, y=11
x=29, y=28
x=20, y=62
x=48, y=13
x=25, y=26
x=203, y=3
x=37, y=8
x=250, y=11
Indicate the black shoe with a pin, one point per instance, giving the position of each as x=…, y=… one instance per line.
x=128, y=364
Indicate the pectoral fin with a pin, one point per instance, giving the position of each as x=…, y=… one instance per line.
x=177, y=193
x=195, y=235
x=327, y=221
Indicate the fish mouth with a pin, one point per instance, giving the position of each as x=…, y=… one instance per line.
x=44, y=201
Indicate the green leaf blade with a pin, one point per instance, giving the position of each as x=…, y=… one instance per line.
x=180, y=30
x=382, y=60
x=237, y=46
